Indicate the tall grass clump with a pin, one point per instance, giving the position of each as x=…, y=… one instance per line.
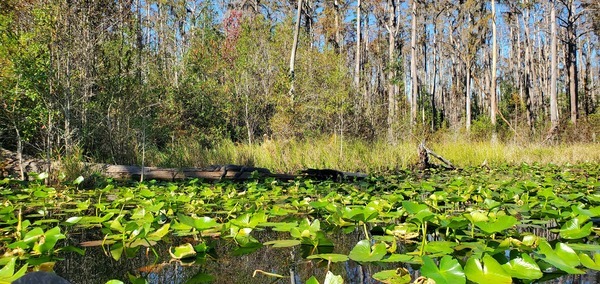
x=292, y=155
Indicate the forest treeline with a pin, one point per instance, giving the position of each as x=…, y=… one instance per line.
x=115, y=78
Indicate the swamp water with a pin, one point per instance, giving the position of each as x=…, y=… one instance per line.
x=517, y=224
x=224, y=265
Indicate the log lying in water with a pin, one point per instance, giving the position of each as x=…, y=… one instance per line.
x=13, y=165
x=227, y=172
x=324, y=174
x=218, y=172
x=9, y=166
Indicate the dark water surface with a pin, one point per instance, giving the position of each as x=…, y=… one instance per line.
x=223, y=266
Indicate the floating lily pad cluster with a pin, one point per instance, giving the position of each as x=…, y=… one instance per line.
x=528, y=223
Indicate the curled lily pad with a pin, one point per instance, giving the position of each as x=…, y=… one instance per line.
x=331, y=278
x=182, y=251
x=78, y=180
x=331, y=257
x=283, y=243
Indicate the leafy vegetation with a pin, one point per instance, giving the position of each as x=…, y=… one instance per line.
x=527, y=223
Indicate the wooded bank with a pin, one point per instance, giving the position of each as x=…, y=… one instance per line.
x=117, y=80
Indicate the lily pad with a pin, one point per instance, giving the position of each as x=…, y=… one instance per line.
x=331, y=278
x=576, y=228
x=7, y=273
x=501, y=223
x=562, y=256
x=398, y=276
x=398, y=258
x=182, y=251
x=486, y=270
x=363, y=252
x=200, y=223
x=590, y=263
x=283, y=243
x=448, y=272
x=331, y=257
x=523, y=267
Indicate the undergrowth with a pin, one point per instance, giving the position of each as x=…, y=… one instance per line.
x=358, y=155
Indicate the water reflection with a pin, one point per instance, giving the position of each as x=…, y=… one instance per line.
x=222, y=266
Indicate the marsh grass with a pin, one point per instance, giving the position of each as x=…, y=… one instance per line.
x=356, y=155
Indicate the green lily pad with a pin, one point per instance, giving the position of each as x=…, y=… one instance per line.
x=331, y=278
x=440, y=247
x=331, y=257
x=523, y=267
x=448, y=272
x=486, y=270
x=160, y=233
x=476, y=216
x=182, y=251
x=414, y=207
x=500, y=224
x=398, y=276
x=78, y=180
x=562, y=257
x=363, y=252
x=280, y=227
x=576, y=228
x=283, y=243
x=200, y=223
x=312, y=280
x=116, y=251
x=398, y=258
x=144, y=192
x=247, y=248
x=7, y=273
x=47, y=243
x=590, y=263
x=585, y=247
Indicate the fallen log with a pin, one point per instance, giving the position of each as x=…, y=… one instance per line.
x=218, y=172
x=13, y=165
x=325, y=174
x=10, y=167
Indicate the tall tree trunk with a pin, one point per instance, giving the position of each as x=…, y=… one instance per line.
x=364, y=58
x=433, y=87
x=493, y=104
x=392, y=30
x=529, y=75
x=587, y=106
x=553, y=69
x=413, y=65
x=571, y=61
x=468, y=99
x=338, y=37
x=357, y=58
x=293, y=52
